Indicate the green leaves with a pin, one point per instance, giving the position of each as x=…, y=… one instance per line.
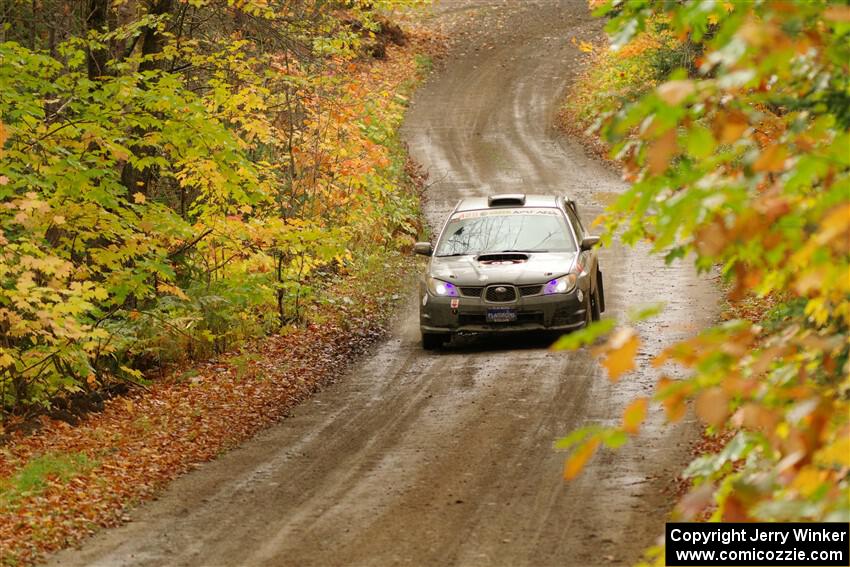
x=586, y=336
x=740, y=161
x=192, y=195
x=700, y=142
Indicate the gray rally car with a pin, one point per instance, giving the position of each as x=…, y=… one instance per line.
x=510, y=263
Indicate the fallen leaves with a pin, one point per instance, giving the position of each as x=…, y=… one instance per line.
x=140, y=442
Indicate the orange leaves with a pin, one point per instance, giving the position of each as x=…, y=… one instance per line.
x=170, y=289
x=634, y=415
x=711, y=239
x=712, y=407
x=734, y=509
x=837, y=13
x=673, y=395
x=762, y=192
x=695, y=501
x=734, y=340
x=578, y=458
x=729, y=126
x=755, y=417
x=674, y=93
x=836, y=453
x=4, y=135
x=642, y=43
x=619, y=352
x=835, y=227
x=808, y=480
x=661, y=151
x=771, y=159
x=583, y=46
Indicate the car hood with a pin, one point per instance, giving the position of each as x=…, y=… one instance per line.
x=534, y=268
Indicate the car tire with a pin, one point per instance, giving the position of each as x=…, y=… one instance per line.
x=600, y=291
x=588, y=311
x=595, y=312
x=433, y=341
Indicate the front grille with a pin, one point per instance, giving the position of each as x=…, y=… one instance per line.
x=471, y=291
x=500, y=293
x=524, y=291
x=530, y=290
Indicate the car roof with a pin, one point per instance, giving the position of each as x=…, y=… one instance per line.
x=476, y=203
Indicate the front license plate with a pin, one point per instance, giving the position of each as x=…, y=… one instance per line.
x=501, y=315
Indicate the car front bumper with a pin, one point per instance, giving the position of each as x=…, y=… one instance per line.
x=556, y=312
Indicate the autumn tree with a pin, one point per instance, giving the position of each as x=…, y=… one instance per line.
x=175, y=176
x=742, y=162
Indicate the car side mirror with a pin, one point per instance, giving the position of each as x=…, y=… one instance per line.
x=589, y=242
x=423, y=248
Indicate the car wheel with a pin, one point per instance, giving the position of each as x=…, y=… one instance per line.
x=600, y=291
x=588, y=311
x=595, y=312
x=433, y=341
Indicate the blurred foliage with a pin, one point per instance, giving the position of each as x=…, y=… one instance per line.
x=612, y=79
x=179, y=175
x=741, y=159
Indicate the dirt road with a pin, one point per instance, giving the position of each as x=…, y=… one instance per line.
x=440, y=459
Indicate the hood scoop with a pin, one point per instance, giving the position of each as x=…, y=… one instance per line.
x=500, y=258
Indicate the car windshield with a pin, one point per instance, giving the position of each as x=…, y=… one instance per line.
x=506, y=230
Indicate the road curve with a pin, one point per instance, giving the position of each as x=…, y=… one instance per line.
x=446, y=459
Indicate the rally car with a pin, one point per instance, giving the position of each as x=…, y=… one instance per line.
x=507, y=263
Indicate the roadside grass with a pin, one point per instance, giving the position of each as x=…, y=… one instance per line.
x=33, y=478
x=52, y=495
x=424, y=63
x=612, y=78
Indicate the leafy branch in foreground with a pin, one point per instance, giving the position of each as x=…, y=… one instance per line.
x=743, y=162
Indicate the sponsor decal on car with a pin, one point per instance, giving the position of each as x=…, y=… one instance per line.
x=529, y=211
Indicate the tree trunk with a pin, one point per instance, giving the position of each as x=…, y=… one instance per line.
x=138, y=180
x=96, y=21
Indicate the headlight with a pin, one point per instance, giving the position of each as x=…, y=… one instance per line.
x=441, y=288
x=564, y=284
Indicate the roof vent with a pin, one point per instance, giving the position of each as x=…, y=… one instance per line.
x=508, y=200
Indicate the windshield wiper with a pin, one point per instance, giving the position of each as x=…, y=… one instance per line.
x=521, y=251
x=452, y=255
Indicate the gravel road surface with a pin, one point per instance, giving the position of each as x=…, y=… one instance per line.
x=442, y=459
